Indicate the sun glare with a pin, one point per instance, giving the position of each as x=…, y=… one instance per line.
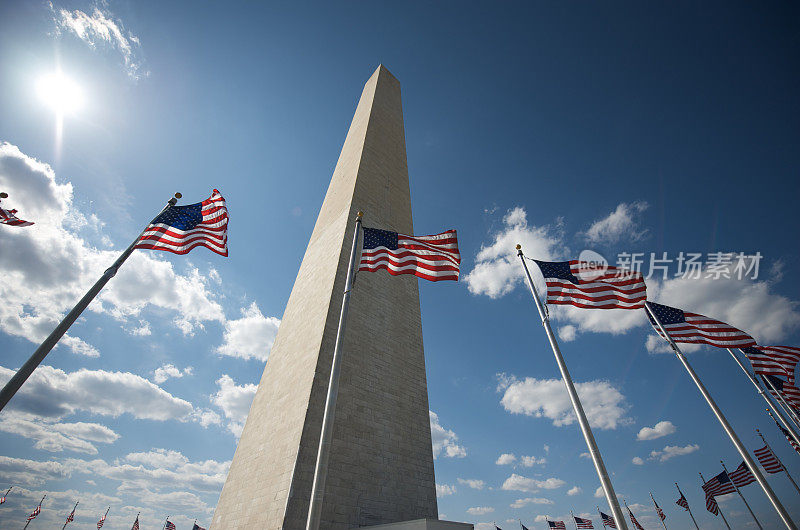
x=60, y=93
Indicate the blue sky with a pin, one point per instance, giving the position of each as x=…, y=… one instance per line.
x=610, y=127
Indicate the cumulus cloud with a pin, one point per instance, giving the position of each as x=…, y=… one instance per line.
x=671, y=451
x=637, y=461
x=620, y=225
x=445, y=441
x=662, y=428
x=444, y=489
x=251, y=336
x=531, y=485
x=497, y=270
x=530, y=461
x=574, y=491
x=102, y=29
x=472, y=483
x=598, y=493
x=167, y=371
x=506, y=459
x=480, y=510
x=604, y=405
x=234, y=400
x=54, y=436
x=521, y=503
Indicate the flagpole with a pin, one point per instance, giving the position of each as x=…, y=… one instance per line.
x=19, y=378
x=72, y=512
x=594, y=452
x=791, y=428
x=788, y=408
x=655, y=507
x=573, y=519
x=719, y=508
x=326, y=435
x=740, y=495
x=688, y=509
x=779, y=461
x=724, y=422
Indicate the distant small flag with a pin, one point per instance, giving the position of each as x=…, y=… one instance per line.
x=787, y=391
x=777, y=363
x=634, y=521
x=432, y=258
x=523, y=526
x=70, y=517
x=719, y=485
x=582, y=523
x=608, y=521
x=768, y=460
x=786, y=433
x=181, y=228
x=577, y=283
x=659, y=510
x=101, y=522
x=8, y=217
x=683, y=326
x=169, y=525
x=683, y=503
x=135, y=524
x=197, y=527
x=3, y=498
x=35, y=512
x=742, y=476
x=557, y=524
x=497, y=527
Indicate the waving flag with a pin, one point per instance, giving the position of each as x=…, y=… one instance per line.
x=692, y=328
x=582, y=523
x=135, y=524
x=557, y=524
x=8, y=217
x=719, y=485
x=608, y=521
x=432, y=258
x=70, y=517
x=768, y=460
x=742, y=476
x=179, y=229
x=3, y=498
x=634, y=521
x=659, y=510
x=101, y=522
x=523, y=526
x=197, y=527
x=683, y=503
x=169, y=525
x=35, y=512
x=576, y=283
x=777, y=364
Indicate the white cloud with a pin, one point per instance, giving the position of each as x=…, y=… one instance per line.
x=497, y=269
x=472, y=483
x=444, y=489
x=662, y=428
x=480, y=510
x=530, y=485
x=251, y=336
x=672, y=451
x=234, y=400
x=599, y=493
x=621, y=224
x=506, y=459
x=521, y=503
x=637, y=461
x=585, y=455
x=530, y=461
x=574, y=491
x=166, y=371
x=604, y=405
x=444, y=440
x=567, y=333
x=101, y=28
x=54, y=436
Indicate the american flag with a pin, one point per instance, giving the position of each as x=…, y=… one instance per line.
x=683, y=503
x=35, y=512
x=683, y=326
x=634, y=521
x=523, y=526
x=576, y=283
x=181, y=228
x=8, y=217
x=742, y=476
x=197, y=527
x=719, y=485
x=432, y=258
x=711, y=504
x=608, y=521
x=101, y=522
x=786, y=390
x=659, y=510
x=135, y=524
x=786, y=433
x=768, y=460
x=582, y=523
x=70, y=517
x=557, y=524
x=3, y=498
x=777, y=363
x=169, y=525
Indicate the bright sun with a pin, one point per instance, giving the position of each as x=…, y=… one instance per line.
x=60, y=93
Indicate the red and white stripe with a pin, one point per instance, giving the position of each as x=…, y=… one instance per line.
x=612, y=288
x=7, y=217
x=768, y=460
x=559, y=525
x=699, y=329
x=101, y=522
x=774, y=360
x=432, y=258
x=583, y=523
x=711, y=504
x=742, y=476
x=211, y=232
x=35, y=512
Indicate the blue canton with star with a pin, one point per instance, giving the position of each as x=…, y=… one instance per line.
x=666, y=314
x=182, y=217
x=374, y=238
x=557, y=269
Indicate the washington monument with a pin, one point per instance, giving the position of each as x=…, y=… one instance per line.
x=381, y=462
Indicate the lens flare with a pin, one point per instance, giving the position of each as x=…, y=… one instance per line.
x=60, y=93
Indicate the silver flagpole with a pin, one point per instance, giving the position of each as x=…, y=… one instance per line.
x=688, y=509
x=22, y=375
x=321, y=469
x=719, y=508
x=724, y=422
x=779, y=461
x=740, y=494
x=655, y=507
x=788, y=408
x=573, y=519
x=605, y=481
x=760, y=390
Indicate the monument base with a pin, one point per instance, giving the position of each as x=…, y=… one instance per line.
x=424, y=524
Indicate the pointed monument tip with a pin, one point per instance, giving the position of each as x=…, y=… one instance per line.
x=382, y=70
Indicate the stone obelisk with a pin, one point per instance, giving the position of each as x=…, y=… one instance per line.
x=381, y=463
